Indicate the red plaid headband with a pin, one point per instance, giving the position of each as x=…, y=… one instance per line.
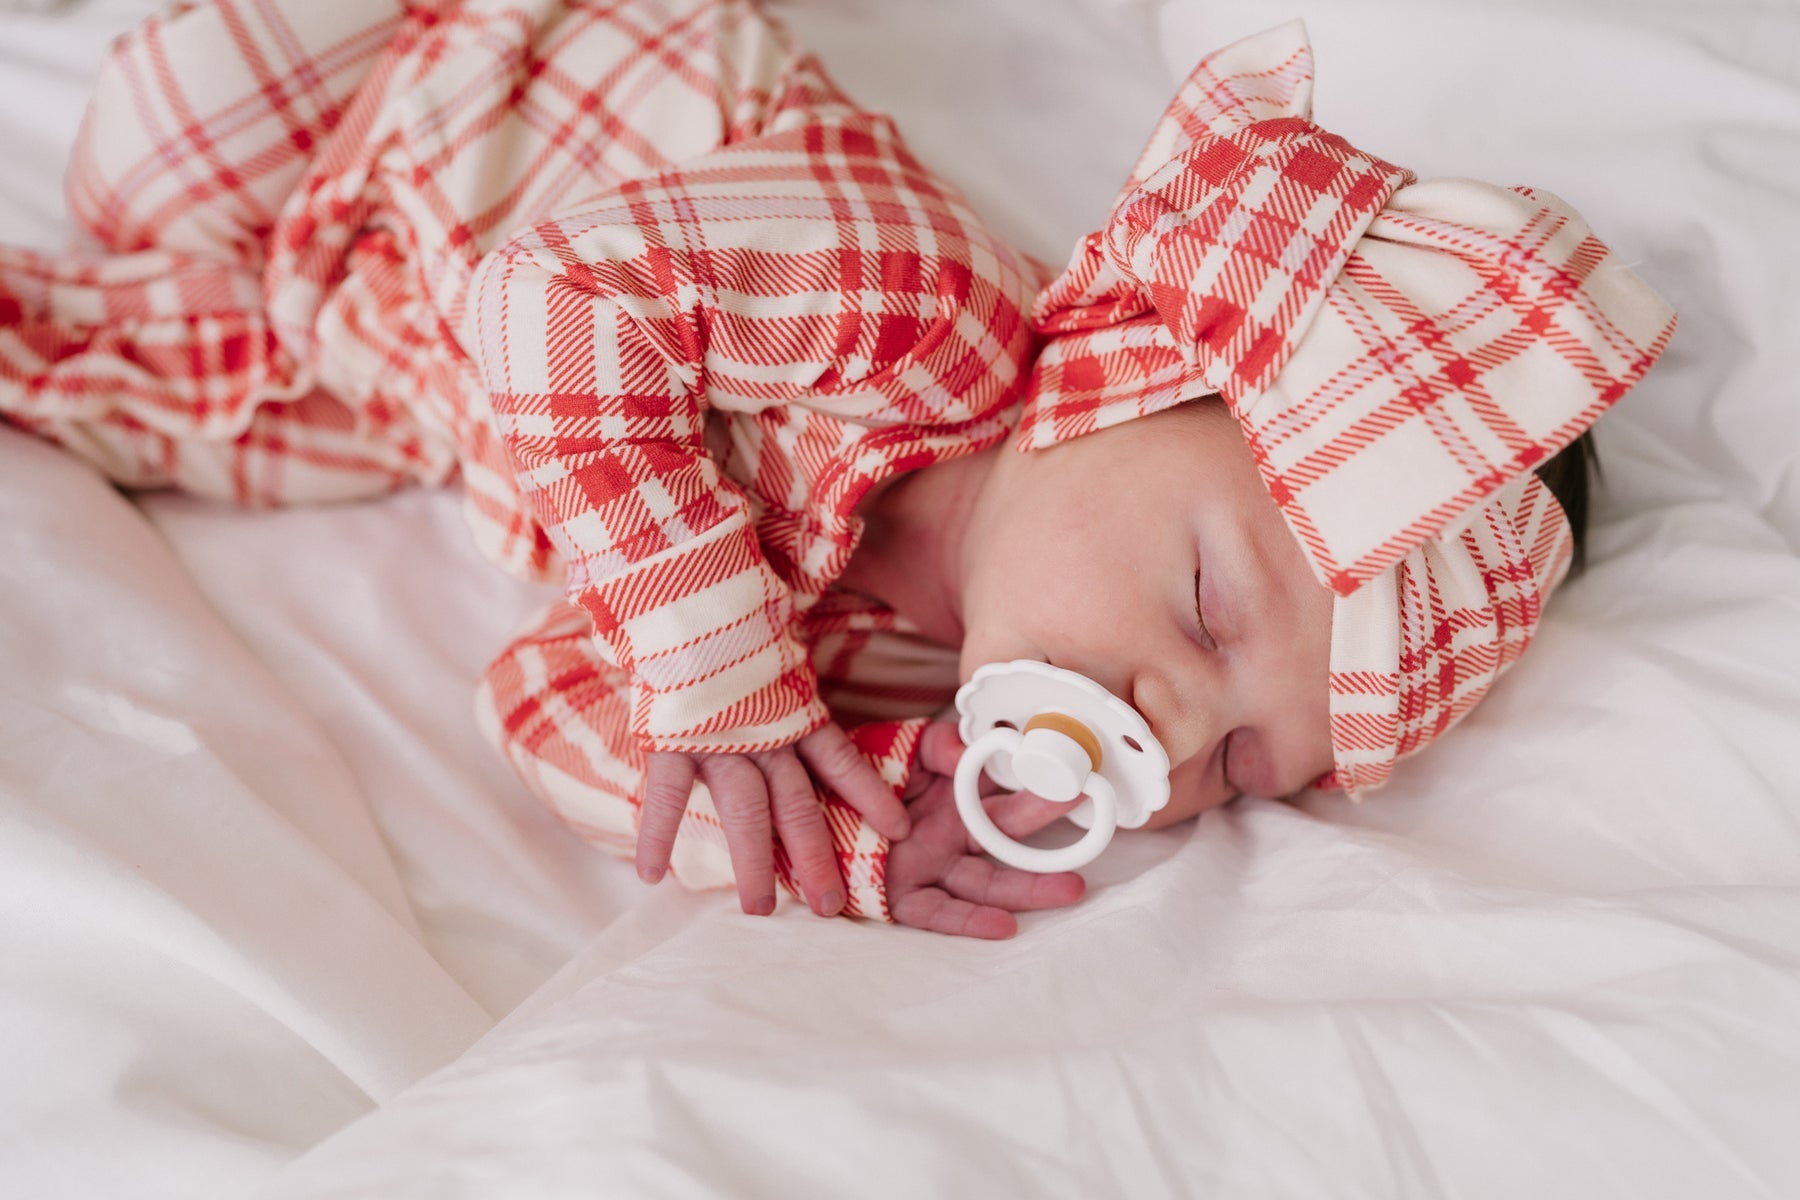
x=1399, y=355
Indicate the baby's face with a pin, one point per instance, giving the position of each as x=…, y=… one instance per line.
x=1149, y=558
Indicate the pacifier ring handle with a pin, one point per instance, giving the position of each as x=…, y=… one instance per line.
x=967, y=787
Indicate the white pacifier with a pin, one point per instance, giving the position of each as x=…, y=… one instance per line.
x=1058, y=734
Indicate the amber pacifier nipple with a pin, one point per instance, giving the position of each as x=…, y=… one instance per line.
x=1058, y=734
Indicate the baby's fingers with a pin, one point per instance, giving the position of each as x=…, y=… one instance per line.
x=668, y=779
x=1021, y=814
x=940, y=912
x=940, y=749
x=983, y=883
x=741, y=799
x=836, y=763
x=801, y=823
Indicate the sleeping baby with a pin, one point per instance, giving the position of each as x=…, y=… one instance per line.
x=1288, y=458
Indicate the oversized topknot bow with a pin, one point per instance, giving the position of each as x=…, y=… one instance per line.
x=1399, y=356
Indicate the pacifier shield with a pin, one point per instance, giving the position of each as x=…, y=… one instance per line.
x=1025, y=694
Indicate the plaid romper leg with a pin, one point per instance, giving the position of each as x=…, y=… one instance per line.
x=154, y=360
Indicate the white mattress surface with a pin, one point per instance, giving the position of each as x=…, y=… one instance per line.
x=277, y=922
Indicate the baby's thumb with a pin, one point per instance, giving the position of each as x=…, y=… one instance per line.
x=940, y=749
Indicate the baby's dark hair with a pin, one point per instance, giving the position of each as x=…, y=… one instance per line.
x=1566, y=475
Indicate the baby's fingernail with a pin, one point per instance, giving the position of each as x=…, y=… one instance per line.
x=763, y=907
x=650, y=875
x=831, y=903
x=903, y=830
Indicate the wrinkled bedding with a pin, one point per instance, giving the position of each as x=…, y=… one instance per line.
x=276, y=920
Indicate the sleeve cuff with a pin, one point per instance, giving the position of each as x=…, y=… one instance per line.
x=705, y=632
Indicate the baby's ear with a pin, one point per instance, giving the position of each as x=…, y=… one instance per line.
x=1260, y=78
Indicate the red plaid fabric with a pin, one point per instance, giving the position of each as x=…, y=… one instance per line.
x=815, y=280
x=635, y=270
x=1414, y=651
x=1399, y=356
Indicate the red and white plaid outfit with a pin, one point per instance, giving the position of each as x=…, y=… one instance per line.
x=637, y=271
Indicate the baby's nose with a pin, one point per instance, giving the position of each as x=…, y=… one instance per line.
x=1184, y=726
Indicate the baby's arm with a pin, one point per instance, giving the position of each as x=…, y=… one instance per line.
x=559, y=709
x=605, y=337
x=659, y=546
x=594, y=340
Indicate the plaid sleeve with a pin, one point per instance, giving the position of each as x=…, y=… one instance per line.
x=813, y=276
x=591, y=352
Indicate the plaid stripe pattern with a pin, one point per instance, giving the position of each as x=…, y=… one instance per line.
x=1399, y=355
x=635, y=271
x=1415, y=650
x=815, y=280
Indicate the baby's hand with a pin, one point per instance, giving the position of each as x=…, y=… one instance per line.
x=938, y=879
x=764, y=795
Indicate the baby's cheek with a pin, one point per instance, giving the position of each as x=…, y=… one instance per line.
x=1189, y=796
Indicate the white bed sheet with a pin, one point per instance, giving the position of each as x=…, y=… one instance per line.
x=276, y=920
